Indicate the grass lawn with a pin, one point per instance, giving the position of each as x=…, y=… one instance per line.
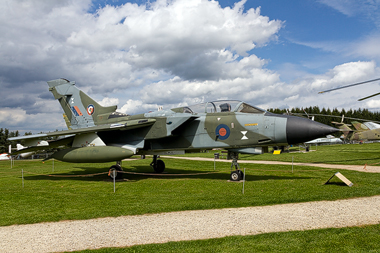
x=67, y=196
x=352, y=154
x=355, y=239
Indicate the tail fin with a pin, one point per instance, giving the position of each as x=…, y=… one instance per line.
x=23, y=155
x=19, y=146
x=81, y=110
x=347, y=131
x=359, y=126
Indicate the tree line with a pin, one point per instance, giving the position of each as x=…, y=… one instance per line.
x=4, y=142
x=326, y=116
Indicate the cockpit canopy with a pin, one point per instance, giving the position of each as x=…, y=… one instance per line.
x=117, y=115
x=220, y=106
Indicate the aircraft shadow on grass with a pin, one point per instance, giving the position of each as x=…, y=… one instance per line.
x=137, y=173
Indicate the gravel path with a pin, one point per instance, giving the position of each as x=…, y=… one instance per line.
x=362, y=168
x=187, y=225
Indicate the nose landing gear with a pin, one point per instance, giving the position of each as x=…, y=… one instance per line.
x=237, y=174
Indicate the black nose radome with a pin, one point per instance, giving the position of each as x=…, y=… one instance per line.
x=300, y=130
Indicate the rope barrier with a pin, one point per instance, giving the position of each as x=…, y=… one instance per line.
x=164, y=174
x=124, y=172
x=51, y=175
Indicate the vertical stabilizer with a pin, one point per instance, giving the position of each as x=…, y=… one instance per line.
x=81, y=111
x=347, y=131
x=359, y=126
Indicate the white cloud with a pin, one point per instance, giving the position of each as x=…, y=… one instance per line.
x=125, y=46
x=367, y=47
x=137, y=106
x=244, y=87
x=109, y=101
x=308, y=87
x=351, y=8
x=19, y=119
x=175, y=35
x=373, y=104
x=12, y=116
x=346, y=73
x=347, y=7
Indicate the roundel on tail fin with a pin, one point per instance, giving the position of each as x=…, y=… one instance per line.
x=90, y=109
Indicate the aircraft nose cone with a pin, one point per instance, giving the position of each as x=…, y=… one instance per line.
x=300, y=130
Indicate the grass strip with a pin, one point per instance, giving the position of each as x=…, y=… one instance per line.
x=349, y=154
x=351, y=239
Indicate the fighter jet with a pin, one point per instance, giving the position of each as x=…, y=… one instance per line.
x=362, y=132
x=328, y=140
x=101, y=134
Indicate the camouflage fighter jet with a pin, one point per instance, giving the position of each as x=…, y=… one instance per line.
x=100, y=134
x=362, y=132
x=359, y=126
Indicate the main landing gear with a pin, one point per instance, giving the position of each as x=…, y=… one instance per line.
x=157, y=165
x=116, y=171
x=237, y=174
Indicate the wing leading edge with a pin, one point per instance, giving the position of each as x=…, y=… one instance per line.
x=121, y=126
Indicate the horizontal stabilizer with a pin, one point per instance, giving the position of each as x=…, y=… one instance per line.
x=51, y=144
x=125, y=125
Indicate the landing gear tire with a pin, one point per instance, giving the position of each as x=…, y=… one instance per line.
x=236, y=175
x=159, y=167
x=116, y=171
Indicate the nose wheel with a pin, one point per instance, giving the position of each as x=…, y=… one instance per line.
x=157, y=165
x=237, y=174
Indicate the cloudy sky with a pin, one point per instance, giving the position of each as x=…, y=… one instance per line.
x=143, y=54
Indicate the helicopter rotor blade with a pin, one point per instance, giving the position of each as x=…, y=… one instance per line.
x=369, y=96
x=342, y=87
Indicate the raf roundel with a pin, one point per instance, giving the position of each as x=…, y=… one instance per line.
x=222, y=131
x=90, y=109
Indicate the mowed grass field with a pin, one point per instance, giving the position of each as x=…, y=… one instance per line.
x=67, y=194
x=350, y=154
